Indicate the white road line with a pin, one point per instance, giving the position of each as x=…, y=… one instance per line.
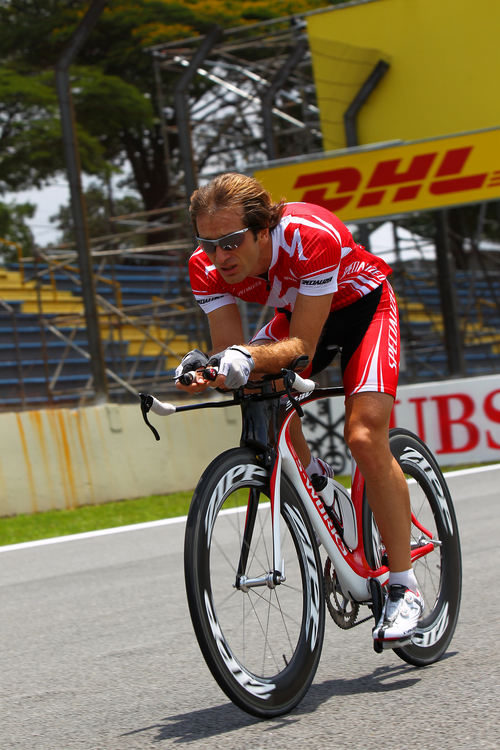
x=476, y=470
x=178, y=519
x=90, y=534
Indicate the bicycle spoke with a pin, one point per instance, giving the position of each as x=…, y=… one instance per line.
x=276, y=613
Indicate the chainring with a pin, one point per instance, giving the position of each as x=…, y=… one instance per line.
x=343, y=611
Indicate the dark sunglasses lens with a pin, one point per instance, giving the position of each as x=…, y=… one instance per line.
x=230, y=242
x=208, y=247
x=233, y=241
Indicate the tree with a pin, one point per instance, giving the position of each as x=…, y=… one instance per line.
x=114, y=91
x=100, y=207
x=14, y=232
x=30, y=133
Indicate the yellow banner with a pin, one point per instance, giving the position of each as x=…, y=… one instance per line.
x=386, y=181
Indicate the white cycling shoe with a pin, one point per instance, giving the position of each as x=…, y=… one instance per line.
x=400, y=615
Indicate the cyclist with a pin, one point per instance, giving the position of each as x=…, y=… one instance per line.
x=328, y=292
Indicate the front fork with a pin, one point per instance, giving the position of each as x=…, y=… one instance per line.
x=277, y=575
x=260, y=426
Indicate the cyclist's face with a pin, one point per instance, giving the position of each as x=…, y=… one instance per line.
x=252, y=257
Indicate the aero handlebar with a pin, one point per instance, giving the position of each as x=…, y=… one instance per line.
x=291, y=381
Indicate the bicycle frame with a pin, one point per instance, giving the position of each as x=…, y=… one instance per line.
x=352, y=569
x=270, y=434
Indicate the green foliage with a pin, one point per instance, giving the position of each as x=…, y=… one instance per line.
x=30, y=133
x=14, y=229
x=113, y=84
x=100, y=206
x=27, y=118
x=107, y=99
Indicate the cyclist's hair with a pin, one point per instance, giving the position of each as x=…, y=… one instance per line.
x=231, y=190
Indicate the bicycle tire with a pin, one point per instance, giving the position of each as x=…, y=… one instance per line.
x=285, y=623
x=438, y=573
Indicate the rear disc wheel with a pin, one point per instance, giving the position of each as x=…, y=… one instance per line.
x=439, y=572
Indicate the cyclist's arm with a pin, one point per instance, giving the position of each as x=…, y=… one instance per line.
x=226, y=328
x=308, y=318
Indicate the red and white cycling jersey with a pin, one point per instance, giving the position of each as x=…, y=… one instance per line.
x=313, y=253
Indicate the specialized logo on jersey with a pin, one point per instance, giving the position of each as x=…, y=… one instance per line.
x=316, y=282
x=207, y=300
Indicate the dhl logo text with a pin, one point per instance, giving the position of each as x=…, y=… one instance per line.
x=391, y=181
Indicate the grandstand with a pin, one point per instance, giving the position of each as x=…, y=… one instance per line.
x=145, y=328
x=148, y=320
x=422, y=322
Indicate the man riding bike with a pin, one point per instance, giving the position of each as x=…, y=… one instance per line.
x=328, y=293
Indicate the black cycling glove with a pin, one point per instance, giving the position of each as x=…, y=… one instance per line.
x=193, y=360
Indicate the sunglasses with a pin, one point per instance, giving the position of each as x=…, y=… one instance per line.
x=227, y=242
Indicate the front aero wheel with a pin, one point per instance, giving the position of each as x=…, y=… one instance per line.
x=439, y=572
x=262, y=643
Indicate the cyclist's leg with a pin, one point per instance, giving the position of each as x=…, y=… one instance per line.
x=370, y=375
x=367, y=435
x=370, y=380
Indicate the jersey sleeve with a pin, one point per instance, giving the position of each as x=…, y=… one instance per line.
x=208, y=293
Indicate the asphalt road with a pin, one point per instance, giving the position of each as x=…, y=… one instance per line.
x=98, y=652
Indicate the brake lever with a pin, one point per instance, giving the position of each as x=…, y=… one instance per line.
x=146, y=404
x=288, y=381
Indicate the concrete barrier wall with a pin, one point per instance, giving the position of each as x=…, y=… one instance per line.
x=64, y=458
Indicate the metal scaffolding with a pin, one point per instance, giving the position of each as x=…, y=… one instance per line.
x=233, y=99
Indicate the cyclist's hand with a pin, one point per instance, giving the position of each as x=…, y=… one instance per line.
x=192, y=361
x=234, y=365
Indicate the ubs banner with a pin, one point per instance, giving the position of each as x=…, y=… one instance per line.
x=389, y=179
x=458, y=419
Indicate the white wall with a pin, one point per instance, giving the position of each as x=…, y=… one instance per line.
x=63, y=458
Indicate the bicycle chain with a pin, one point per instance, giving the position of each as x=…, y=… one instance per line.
x=343, y=611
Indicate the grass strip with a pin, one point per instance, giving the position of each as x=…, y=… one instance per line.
x=32, y=526
x=46, y=524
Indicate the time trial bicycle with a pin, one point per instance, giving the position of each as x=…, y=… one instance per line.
x=255, y=582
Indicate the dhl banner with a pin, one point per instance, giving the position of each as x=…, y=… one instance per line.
x=392, y=179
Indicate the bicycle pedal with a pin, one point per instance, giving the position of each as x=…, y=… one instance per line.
x=381, y=645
